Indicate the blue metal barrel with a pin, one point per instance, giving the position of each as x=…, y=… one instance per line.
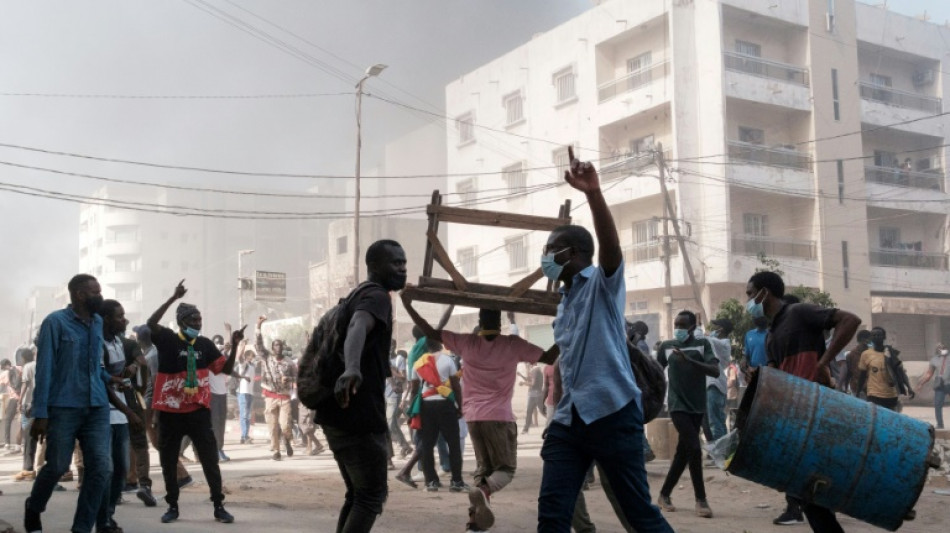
x=831, y=449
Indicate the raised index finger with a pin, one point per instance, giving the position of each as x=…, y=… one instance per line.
x=570, y=153
x=182, y=282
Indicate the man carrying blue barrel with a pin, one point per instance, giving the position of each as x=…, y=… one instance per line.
x=796, y=344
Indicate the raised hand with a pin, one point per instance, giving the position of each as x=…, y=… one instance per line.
x=237, y=336
x=260, y=320
x=180, y=290
x=581, y=175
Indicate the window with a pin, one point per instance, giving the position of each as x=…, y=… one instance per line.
x=883, y=158
x=889, y=238
x=748, y=49
x=126, y=264
x=514, y=109
x=466, y=126
x=642, y=145
x=564, y=85
x=834, y=93
x=830, y=17
x=646, y=244
x=755, y=225
x=468, y=263
x=123, y=234
x=880, y=80
x=516, y=177
x=341, y=245
x=840, y=181
x=751, y=135
x=467, y=191
x=126, y=293
x=517, y=248
x=562, y=161
x=638, y=70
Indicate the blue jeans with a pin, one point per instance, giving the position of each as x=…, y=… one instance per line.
x=716, y=411
x=362, y=461
x=120, y=468
x=245, y=405
x=940, y=396
x=616, y=442
x=90, y=425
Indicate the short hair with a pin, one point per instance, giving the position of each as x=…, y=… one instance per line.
x=689, y=315
x=863, y=335
x=402, y=353
x=108, y=308
x=433, y=345
x=791, y=299
x=376, y=253
x=770, y=281
x=78, y=281
x=640, y=327
x=489, y=318
x=24, y=353
x=579, y=238
x=217, y=339
x=417, y=332
x=724, y=324
x=5, y=363
x=880, y=328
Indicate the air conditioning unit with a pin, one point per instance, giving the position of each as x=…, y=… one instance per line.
x=924, y=77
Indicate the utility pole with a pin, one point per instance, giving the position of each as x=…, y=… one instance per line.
x=668, y=298
x=370, y=72
x=668, y=211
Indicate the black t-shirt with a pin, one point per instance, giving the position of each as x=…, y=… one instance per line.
x=796, y=339
x=367, y=410
x=173, y=352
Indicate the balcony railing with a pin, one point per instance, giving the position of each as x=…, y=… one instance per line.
x=764, y=68
x=908, y=259
x=649, y=251
x=632, y=81
x=932, y=180
x=758, y=154
x=896, y=98
x=773, y=246
x=630, y=163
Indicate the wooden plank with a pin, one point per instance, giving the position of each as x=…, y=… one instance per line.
x=481, y=301
x=433, y=227
x=489, y=290
x=479, y=217
x=443, y=259
x=522, y=286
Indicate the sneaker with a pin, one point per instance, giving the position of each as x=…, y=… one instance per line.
x=703, y=510
x=276, y=456
x=170, y=515
x=222, y=516
x=406, y=480
x=289, y=448
x=31, y=519
x=433, y=486
x=145, y=494
x=459, y=486
x=223, y=457
x=243, y=440
x=318, y=450
x=25, y=475
x=665, y=504
x=185, y=482
x=68, y=476
x=129, y=487
x=481, y=514
x=789, y=518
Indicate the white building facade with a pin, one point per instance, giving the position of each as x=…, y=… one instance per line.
x=810, y=131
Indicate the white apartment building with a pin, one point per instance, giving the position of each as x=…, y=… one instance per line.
x=807, y=130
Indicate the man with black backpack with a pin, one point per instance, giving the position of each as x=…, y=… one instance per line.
x=354, y=420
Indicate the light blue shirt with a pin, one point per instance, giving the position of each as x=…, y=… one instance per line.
x=69, y=369
x=590, y=331
x=755, y=347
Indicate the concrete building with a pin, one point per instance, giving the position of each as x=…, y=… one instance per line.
x=41, y=302
x=811, y=131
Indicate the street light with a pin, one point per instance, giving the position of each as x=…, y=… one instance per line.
x=241, y=254
x=370, y=72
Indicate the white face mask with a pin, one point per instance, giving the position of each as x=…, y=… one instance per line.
x=943, y=352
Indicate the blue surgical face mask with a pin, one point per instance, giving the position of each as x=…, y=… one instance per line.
x=681, y=334
x=754, y=308
x=550, y=268
x=191, y=333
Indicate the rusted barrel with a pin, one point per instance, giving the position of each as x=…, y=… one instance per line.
x=831, y=449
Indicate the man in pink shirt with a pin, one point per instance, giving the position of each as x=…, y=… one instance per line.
x=490, y=367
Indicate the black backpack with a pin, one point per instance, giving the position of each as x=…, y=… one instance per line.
x=322, y=362
x=650, y=379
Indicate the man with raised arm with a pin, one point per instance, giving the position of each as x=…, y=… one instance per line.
x=182, y=398
x=599, y=417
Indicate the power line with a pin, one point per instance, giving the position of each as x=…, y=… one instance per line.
x=105, y=96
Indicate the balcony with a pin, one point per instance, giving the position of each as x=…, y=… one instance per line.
x=754, y=245
x=632, y=81
x=908, y=259
x=901, y=99
x=764, y=68
x=758, y=154
x=932, y=180
x=629, y=164
x=650, y=251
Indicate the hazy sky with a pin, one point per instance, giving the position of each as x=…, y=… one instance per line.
x=178, y=48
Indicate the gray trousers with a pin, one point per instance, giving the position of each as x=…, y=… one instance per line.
x=219, y=416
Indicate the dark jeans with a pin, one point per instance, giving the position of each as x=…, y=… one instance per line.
x=120, y=466
x=716, y=412
x=887, y=403
x=219, y=417
x=362, y=461
x=616, y=442
x=90, y=425
x=196, y=425
x=820, y=519
x=245, y=405
x=440, y=416
x=940, y=396
x=29, y=444
x=688, y=452
x=8, y=415
x=395, y=429
x=531, y=413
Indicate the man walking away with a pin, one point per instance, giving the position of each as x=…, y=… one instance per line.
x=183, y=398
x=690, y=361
x=70, y=403
x=940, y=367
x=354, y=421
x=882, y=375
x=599, y=417
x=796, y=345
x=535, y=383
